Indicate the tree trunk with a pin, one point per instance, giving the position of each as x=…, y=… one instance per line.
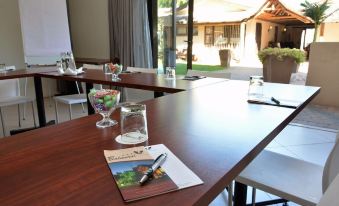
x=316, y=26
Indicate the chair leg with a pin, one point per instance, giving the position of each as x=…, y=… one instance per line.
x=33, y=114
x=82, y=104
x=25, y=94
x=56, y=112
x=70, y=112
x=19, y=115
x=254, y=192
x=230, y=194
x=2, y=123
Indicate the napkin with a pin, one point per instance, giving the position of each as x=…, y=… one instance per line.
x=70, y=72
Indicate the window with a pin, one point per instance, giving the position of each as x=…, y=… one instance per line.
x=182, y=30
x=209, y=38
x=222, y=35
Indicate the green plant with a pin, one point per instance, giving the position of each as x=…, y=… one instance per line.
x=317, y=12
x=297, y=54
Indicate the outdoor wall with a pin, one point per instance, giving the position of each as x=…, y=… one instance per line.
x=323, y=71
x=89, y=27
x=331, y=33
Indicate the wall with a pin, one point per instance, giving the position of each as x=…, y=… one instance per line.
x=11, y=49
x=331, y=33
x=89, y=28
x=323, y=71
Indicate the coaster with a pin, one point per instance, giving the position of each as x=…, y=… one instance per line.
x=121, y=141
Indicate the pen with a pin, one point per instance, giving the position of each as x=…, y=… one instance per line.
x=156, y=164
x=275, y=100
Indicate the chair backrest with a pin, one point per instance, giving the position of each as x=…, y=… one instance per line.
x=223, y=75
x=142, y=70
x=331, y=168
x=93, y=66
x=10, y=68
x=9, y=88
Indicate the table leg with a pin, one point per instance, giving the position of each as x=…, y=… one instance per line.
x=240, y=194
x=40, y=101
x=158, y=94
x=90, y=109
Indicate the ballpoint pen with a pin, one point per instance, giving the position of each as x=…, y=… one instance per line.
x=156, y=164
x=275, y=100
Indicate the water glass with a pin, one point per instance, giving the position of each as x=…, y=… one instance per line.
x=107, y=69
x=170, y=72
x=133, y=123
x=256, y=87
x=2, y=68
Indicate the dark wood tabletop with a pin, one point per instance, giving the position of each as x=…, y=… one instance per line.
x=31, y=72
x=145, y=81
x=211, y=129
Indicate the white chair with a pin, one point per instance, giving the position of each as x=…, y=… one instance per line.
x=10, y=95
x=191, y=72
x=138, y=95
x=290, y=178
x=79, y=98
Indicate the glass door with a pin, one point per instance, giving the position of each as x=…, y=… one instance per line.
x=173, y=35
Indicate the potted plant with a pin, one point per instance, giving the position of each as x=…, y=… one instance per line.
x=280, y=63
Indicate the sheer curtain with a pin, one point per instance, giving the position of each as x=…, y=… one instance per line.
x=129, y=32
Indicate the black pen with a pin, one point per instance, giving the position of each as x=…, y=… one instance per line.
x=275, y=100
x=156, y=164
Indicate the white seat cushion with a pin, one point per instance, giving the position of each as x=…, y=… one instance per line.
x=14, y=100
x=284, y=176
x=71, y=99
x=223, y=75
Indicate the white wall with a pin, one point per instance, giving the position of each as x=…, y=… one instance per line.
x=89, y=28
x=331, y=33
x=11, y=48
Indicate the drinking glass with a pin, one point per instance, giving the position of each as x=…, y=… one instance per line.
x=116, y=70
x=2, y=68
x=256, y=87
x=107, y=69
x=104, y=102
x=133, y=123
x=170, y=72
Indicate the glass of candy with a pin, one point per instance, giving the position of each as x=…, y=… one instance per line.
x=104, y=102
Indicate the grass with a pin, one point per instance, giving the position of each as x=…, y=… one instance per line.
x=182, y=68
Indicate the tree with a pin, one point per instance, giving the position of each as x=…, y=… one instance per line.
x=168, y=3
x=317, y=12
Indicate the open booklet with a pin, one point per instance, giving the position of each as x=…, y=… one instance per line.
x=279, y=103
x=129, y=165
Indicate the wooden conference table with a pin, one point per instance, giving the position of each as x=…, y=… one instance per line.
x=211, y=128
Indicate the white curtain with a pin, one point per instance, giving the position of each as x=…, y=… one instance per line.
x=129, y=33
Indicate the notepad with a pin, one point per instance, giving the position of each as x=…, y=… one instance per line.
x=267, y=101
x=128, y=165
